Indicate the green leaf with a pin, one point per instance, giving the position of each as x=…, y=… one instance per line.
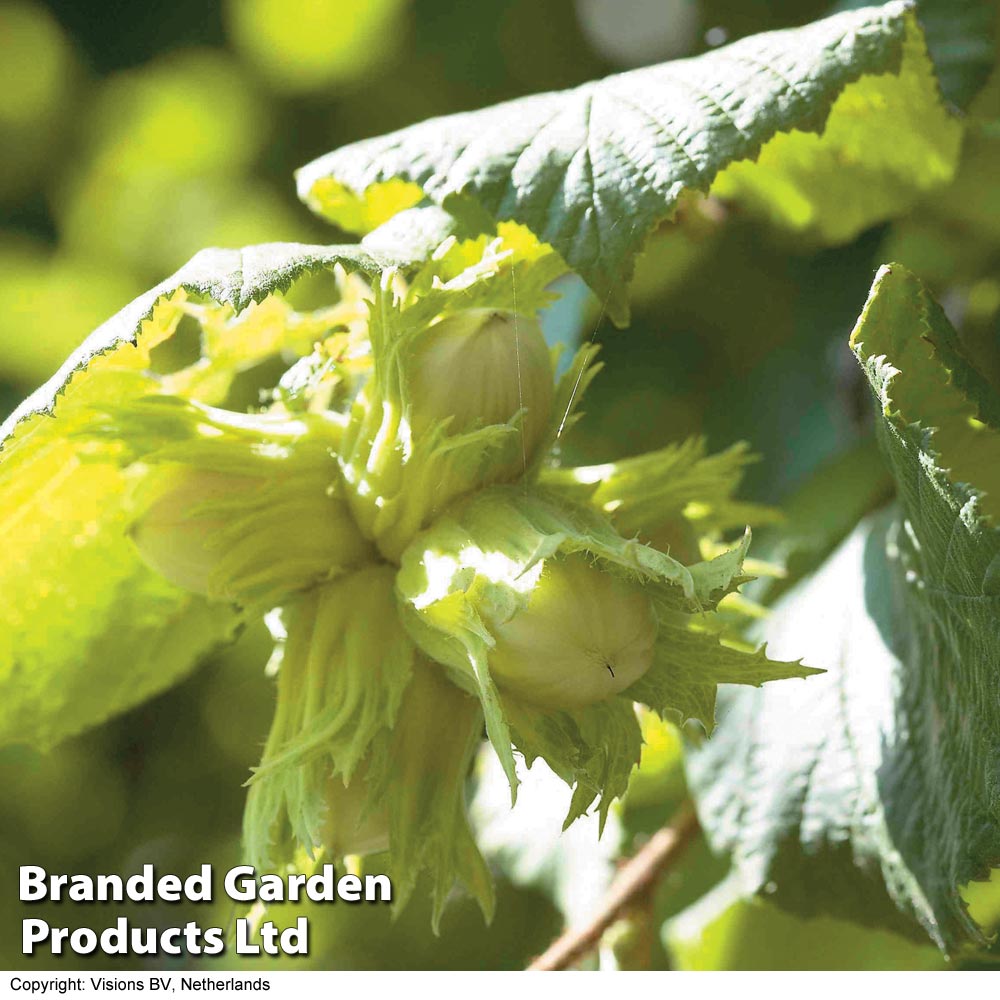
x=86, y=631
x=875, y=794
x=961, y=37
x=843, y=116
x=414, y=232
x=888, y=139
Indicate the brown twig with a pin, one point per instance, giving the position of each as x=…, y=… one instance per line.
x=634, y=881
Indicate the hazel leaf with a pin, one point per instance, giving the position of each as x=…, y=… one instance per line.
x=826, y=129
x=873, y=796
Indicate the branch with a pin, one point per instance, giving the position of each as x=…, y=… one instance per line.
x=634, y=881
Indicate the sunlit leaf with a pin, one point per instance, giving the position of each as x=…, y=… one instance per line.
x=843, y=116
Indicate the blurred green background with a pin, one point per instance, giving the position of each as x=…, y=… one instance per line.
x=135, y=134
